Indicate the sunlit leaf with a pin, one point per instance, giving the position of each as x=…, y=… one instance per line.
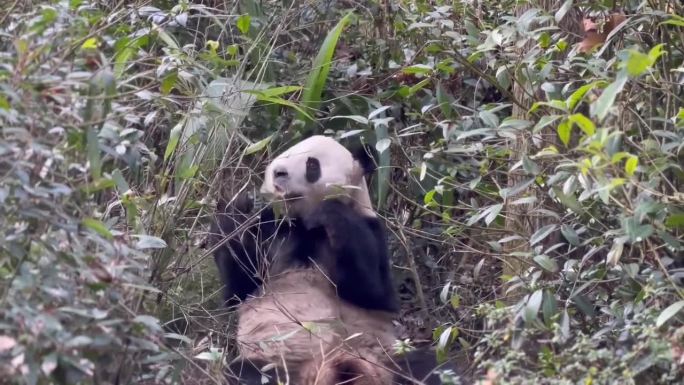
x=669, y=312
x=532, y=306
x=97, y=226
x=675, y=221
x=258, y=146
x=601, y=107
x=313, y=90
x=564, y=129
x=149, y=242
x=174, y=137
x=542, y=233
x=631, y=165
x=90, y=43
x=584, y=123
x=545, y=121
x=243, y=23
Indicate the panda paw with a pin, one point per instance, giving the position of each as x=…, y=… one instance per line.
x=331, y=215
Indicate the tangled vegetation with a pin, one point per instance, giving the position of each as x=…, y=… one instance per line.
x=531, y=172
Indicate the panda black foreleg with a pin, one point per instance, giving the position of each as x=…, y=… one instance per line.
x=359, y=245
x=238, y=259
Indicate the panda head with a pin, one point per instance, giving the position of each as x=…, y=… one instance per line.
x=318, y=168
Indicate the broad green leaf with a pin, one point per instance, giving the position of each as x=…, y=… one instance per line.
x=489, y=119
x=546, y=263
x=168, y=83
x=421, y=69
x=578, y=95
x=311, y=96
x=545, y=121
x=556, y=104
x=549, y=307
x=444, y=338
x=584, y=305
x=444, y=100
x=509, y=192
x=187, y=172
x=97, y=226
x=584, y=123
x=165, y=37
x=670, y=240
x=243, y=23
x=275, y=91
x=542, y=233
x=675, y=221
x=675, y=20
x=357, y=118
x=532, y=306
x=4, y=103
x=603, y=104
x=669, y=312
x=90, y=43
x=637, y=63
x=213, y=45
x=455, y=301
x=529, y=166
x=492, y=213
x=631, y=165
x=258, y=146
x=174, y=136
x=564, y=130
x=418, y=86
x=618, y=156
x=283, y=102
x=636, y=231
x=149, y=242
x=570, y=235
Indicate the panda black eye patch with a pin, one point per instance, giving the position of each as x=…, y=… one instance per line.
x=313, y=169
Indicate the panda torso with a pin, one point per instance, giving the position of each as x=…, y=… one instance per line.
x=298, y=316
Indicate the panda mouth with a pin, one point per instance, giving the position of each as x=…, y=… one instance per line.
x=291, y=196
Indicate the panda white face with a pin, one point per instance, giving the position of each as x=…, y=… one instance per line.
x=312, y=170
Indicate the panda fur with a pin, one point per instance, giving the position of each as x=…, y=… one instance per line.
x=316, y=300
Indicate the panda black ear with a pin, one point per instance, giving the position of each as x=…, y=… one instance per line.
x=367, y=157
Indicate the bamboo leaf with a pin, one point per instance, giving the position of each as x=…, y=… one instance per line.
x=97, y=226
x=669, y=312
x=311, y=97
x=601, y=107
x=542, y=233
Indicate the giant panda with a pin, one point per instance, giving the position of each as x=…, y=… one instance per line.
x=311, y=277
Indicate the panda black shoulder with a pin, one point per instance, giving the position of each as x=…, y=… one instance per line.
x=365, y=154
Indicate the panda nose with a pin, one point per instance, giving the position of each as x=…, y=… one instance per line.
x=280, y=177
